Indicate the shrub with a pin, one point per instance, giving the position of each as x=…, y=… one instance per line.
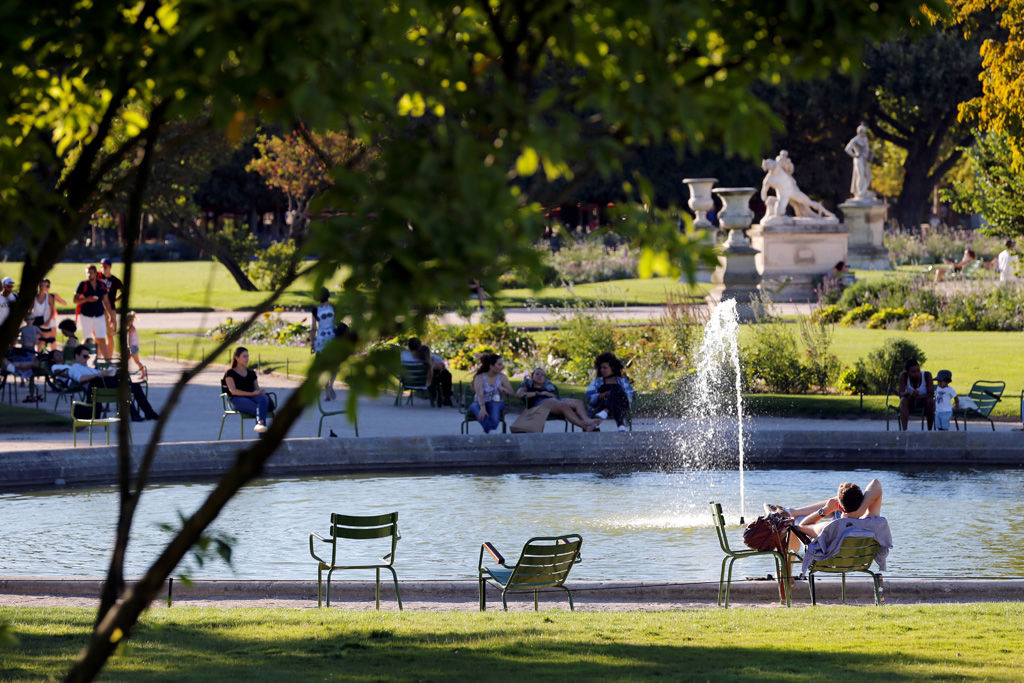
x=590, y=261
x=827, y=314
x=922, y=321
x=270, y=329
x=879, y=320
x=858, y=315
x=883, y=365
x=582, y=334
x=462, y=344
x=851, y=381
x=888, y=293
x=773, y=356
x=274, y=265
x=820, y=366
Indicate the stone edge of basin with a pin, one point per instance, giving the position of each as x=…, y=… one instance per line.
x=44, y=468
x=828, y=588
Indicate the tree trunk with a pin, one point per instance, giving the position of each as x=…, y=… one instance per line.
x=914, y=197
x=198, y=239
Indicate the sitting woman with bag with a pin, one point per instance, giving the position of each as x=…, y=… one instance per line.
x=489, y=383
x=246, y=395
x=537, y=390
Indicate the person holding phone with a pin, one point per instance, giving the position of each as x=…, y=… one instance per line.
x=610, y=393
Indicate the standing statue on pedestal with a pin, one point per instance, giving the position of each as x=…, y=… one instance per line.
x=780, y=178
x=860, y=149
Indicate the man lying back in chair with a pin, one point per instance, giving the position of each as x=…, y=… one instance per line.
x=849, y=501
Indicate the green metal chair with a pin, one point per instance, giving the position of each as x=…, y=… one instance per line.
x=331, y=413
x=892, y=410
x=855, y=555
x=225, y=398
x=544, y=563
x=64, y=387
x=412, y=378
x=466, y=397
x=731, y=556
x=353, y=527
x=98, y=396
x=986, y=394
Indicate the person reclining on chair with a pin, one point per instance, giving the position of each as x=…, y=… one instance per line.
x=107, y=378
x=850, y=501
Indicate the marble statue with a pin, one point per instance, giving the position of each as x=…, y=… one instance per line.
x=860, y=149
x=779, y=177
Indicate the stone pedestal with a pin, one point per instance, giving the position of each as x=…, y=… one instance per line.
x=700, y=203
x=736, y=276
x=865, y=219
x=795, y=252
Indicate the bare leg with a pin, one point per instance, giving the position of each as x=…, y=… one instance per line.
x=560, y=409
x=929, y=411
x=142, y=368
x=101, y=346
x=577, y=406
x=904, y=413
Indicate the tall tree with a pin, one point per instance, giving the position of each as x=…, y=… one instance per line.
x=450, y=97
x=918, y=84
x=996, y=188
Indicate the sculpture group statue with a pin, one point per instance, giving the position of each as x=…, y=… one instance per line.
x=780, y=178
x=860, y=149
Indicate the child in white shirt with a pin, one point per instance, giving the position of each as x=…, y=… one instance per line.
x=945, y=400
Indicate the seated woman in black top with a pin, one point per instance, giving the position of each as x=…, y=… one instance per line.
x=537, y=390
x=244, y=387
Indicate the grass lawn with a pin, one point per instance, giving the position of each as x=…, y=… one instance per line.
x=977, y=642
x=650, y=292
x=188, y=285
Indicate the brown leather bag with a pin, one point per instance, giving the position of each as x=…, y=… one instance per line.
x=767, y=532
x=531, y=421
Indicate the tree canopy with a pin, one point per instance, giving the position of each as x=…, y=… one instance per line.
x=458, y=100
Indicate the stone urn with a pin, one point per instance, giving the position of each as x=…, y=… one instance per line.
x=701, y=201
x=736, y=276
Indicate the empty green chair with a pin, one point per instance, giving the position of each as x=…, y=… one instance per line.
x=94, y=420
x=544, y=563
x=855, y=555
x=731, y=556
x=985, y=394
x=331, y=413
x=356, y=528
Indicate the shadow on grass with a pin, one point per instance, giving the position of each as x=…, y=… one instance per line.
x=296, y=646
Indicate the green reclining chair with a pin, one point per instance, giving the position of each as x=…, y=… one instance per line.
x=544, y=563
x=354, y=527
x=855, y=555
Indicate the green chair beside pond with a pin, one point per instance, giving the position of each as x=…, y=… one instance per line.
x=544, y=563
x=985, y=394
x=99, y=396
x=855, y=555
x=225, y=399
x=332, y=413
x=355, y=528
x=731, y=556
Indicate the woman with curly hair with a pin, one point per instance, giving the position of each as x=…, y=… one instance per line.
x=610, y=393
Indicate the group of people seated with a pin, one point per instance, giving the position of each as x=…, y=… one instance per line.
x=609, y=395
x=919, y=392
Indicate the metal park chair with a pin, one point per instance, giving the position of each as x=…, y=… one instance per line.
x=357, y=528
x=95, y=420
x=731, y=556
x=985, y=394
x=544, y=563
x=855, y=555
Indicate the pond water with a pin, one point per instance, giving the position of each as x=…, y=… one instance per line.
x=638, y=525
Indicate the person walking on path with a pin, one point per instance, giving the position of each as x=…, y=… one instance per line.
x=114, y=287
x=93, y=305
x=244, y=386
x=133, y=343
x=44, y=313
x=322, y=332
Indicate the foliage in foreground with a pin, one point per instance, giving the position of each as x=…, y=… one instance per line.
x=895, y=643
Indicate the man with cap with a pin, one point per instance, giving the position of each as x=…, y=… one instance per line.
x=113, y=285
x=7, y=297
x=92, y=298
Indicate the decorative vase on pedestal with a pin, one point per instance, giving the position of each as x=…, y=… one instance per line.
x=736, y=276
x=701, y=202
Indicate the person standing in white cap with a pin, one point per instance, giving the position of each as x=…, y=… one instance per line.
x=7, y=297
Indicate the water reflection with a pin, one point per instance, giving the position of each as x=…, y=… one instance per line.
x=654, y=525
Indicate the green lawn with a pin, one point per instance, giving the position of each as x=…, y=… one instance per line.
x=190, y=285
x=977, y=642
x=651, y=292
x=21, y=418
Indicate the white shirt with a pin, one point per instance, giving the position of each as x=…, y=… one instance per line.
x=944, y=399
x=77, y=371
x=5, y=305
x=1006, y=264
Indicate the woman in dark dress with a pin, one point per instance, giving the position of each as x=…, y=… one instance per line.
x=244, y=387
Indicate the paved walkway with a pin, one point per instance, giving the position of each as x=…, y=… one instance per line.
x=198, y=416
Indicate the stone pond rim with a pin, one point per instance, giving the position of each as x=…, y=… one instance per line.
x=826, y=449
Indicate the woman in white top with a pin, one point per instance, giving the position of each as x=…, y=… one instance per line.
x=322, y=332
x=44, y=313
x=489, y=383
